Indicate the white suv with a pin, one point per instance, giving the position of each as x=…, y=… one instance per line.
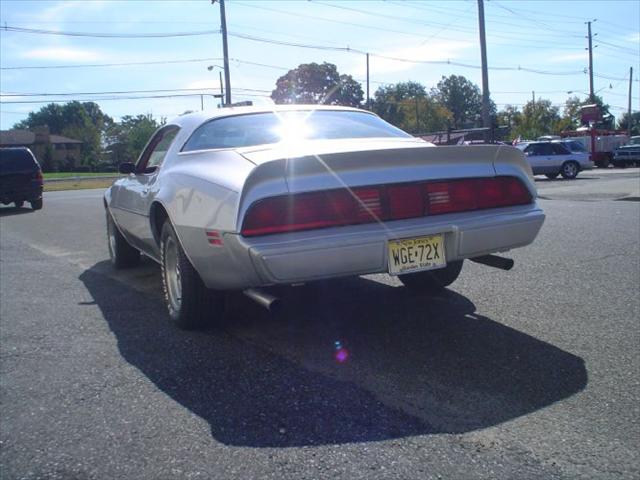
x=553, y=159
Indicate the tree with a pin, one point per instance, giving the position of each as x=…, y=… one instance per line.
x=538, y=118
x=463, y=99
x=317, y=84
x=408, y=106
x=81, y=121
x=623, y=124
x=127, y=138
x=509, y=116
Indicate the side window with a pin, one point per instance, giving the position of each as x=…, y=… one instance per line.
x=559, y=149
x=154, y=154
x=535, y=149
x=545, y=149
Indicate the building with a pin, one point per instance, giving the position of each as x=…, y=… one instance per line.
x=54, y=152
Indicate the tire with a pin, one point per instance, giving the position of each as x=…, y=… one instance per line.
x=433, y=280
x=190, y=303
x=19, y=204
x=122, y=254
x=551, y=176
x=570, y=170
x=36, y=204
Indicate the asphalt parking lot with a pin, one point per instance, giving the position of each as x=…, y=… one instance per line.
x=532, y=373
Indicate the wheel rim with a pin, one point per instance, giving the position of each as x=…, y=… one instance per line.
x=570, y=170
x=112, y=239
x=172, y=274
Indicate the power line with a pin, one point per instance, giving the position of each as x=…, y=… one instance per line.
x=17, y=94
x=358, y=51
x=107, y=35
x=369, y=27
x=136, y=97
x=122, y=64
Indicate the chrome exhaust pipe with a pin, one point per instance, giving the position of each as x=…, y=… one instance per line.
x=494, y=261
x=263, y=299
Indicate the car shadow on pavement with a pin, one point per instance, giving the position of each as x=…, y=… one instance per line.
x=9, y=211
x=415, y=365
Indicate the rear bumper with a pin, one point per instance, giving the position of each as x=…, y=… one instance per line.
x=362, y=249
x=20, y=193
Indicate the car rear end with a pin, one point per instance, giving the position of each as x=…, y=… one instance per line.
x=20, y=177
x=355, y=208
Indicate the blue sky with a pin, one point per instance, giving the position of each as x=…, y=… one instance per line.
x=548, y=36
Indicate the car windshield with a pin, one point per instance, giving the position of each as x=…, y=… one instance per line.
x=293, y=126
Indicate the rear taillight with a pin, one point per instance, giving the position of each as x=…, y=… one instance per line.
x=332, y=208
x=38, y=177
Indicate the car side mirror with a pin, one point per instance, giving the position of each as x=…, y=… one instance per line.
x=127, y=168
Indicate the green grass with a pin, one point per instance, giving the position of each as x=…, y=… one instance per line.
x=50, y=175
x=77, y=185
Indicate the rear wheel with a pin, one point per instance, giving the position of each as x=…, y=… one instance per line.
x=569, y=170
x=122, y=254
x=433, y=280
x=19, y=204
x=36, y=204
x=551, y=176
x=190, y=303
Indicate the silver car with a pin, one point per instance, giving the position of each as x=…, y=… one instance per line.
x=245, y=198
x=555, y=158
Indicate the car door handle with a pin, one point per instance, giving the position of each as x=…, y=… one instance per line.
x=145, y=190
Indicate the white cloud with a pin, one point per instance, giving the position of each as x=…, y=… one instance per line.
x=633, y=37
x=569, y=57
x=204, y=84
x=435, y=51
x=56, y=12
x=60, y=54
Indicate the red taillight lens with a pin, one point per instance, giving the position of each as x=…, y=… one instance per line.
x=38, y=176
x=405, y=201
x=332, y=208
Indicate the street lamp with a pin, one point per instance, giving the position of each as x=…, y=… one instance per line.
x=210, y=68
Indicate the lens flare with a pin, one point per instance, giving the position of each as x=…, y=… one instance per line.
x=342, y=354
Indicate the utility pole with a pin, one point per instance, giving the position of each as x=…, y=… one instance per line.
x=629, y=110
x=368, y=106
x=592, y=97
x=225, y=52
x=417, y=117
x=533, y=96
x=486, y=118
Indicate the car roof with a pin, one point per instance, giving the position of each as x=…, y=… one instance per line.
x=193, y=120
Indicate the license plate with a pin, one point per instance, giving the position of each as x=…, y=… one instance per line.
x=415, y=254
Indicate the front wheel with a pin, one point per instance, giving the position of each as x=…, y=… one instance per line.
x=569, y=170
x=19, y=203
x=190, y=303
x=122, y=254
x=433, y=280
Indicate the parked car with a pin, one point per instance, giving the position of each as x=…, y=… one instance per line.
x=245, y=198
x=20, y=178
x=554, y=158
x=627, y=155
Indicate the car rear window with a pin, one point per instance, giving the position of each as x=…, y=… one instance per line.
x=15, y=160
x=274, y=127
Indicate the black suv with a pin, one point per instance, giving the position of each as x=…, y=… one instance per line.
x=20, y=178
